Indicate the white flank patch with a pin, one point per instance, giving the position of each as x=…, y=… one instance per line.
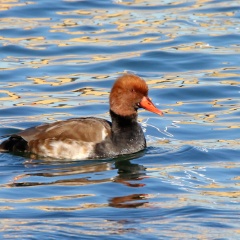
x=66, y=149
x=104, y=133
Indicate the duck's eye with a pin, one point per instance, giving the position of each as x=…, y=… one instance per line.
x=132, y=90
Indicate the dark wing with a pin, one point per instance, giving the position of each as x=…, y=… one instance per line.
x=80, y=129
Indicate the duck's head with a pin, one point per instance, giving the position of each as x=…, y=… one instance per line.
x=128, y=94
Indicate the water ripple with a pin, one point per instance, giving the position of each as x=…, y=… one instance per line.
x=60, y=59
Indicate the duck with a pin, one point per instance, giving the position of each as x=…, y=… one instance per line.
x=91, y=137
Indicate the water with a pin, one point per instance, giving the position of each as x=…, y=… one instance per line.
x=59, y=60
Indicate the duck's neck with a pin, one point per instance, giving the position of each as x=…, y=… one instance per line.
x=126, y=132
x=122, y=123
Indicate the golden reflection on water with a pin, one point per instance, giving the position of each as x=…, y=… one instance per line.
x=93, y=227
x=47, y=80
x=47, y=199
x=223, y=194
x=9, y=95
x=8, y=4
x=156, y=201
x=115, y=228
x=141, y=29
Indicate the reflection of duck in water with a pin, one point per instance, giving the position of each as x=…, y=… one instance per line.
x=126, y=171
x=130, y=175
x=93, y=173
x=91, y=137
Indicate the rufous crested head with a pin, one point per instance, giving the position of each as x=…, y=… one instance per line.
x=130, y=92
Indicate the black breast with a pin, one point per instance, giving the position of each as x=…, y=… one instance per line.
x=126, y=137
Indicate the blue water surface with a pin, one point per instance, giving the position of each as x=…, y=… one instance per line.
x=59, y=59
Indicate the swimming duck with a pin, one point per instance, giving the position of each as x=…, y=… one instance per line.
x=91, y=137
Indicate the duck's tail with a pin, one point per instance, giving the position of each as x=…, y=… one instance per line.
x=13, y=144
